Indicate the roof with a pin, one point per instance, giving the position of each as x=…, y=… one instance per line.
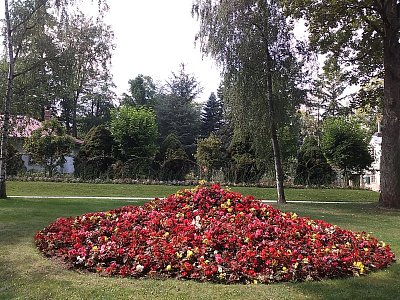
x=21, y=126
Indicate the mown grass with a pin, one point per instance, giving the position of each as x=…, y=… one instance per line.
x=140, y=190
x=26, y=274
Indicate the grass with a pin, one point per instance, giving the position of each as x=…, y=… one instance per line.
x=140, y=190
x=26, y=274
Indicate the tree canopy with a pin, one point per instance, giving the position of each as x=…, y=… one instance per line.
x=49, y=145
x=346, y=145
x=363, y=35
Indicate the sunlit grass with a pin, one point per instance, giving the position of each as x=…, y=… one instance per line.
x=140, y=190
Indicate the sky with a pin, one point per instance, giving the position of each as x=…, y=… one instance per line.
x=153, y=37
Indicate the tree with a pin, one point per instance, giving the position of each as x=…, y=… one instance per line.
x=81, y=70
x=49, y=145
x=21, y=19
x=346, y=146
x=251, y=40
x=365, y=35
x=177, y=112
x=142, y=92
x=329, y=88
x=174, y=162
x=184, y=86
x=209, y=154
x=312, y=167
x=96, y=155
x=211, y=116
x=135, y=133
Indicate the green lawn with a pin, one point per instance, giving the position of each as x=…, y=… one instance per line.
x=140, y=190
x=25, y=274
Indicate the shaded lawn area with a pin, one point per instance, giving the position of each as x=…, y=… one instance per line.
x=26, y=274
x=140, y=190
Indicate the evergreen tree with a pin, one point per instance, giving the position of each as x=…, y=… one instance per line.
x=96, y=154
x=211, y=116
x=178, y=113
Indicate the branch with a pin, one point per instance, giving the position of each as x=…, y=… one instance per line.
x=26, y=19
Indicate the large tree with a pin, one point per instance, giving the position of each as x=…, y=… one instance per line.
x=365, y=35
x=177, y=112
x=81, y=69
x=22, y=19
x=346, y=145
x=252, y=42
x=135, y=133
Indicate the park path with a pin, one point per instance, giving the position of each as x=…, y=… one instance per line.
x=137, y=199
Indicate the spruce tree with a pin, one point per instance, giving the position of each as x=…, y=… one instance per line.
x=211, y=116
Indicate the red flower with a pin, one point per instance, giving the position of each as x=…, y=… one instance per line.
x=211, y=234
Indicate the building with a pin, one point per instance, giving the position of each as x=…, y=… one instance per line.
x=372, y=178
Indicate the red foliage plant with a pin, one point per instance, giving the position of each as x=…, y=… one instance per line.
x=211, y=234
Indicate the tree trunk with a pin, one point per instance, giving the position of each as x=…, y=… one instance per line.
x=74, y=123
x=7, y=103
x=274, y=136
x=390, y=162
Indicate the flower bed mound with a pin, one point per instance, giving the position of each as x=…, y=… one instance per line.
x=211, y=234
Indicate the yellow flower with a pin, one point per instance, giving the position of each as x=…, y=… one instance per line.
x=230, y=209
x=284, y=269
x=189, y=253
x=168, y=268
x=166, y=234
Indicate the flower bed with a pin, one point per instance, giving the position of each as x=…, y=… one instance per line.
x=211, y=234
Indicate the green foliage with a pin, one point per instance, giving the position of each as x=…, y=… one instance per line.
x=184, y=86
x=15, y=164
x=142, y=92
x=289, y=141
x=252, y=42
x=174, y=162
x=209, y=154
x=242, y=163
x=346, y=145
x=96, y=155
x=312, y=167
x=81, y=75
x=135, y=132
x=49, y=145
x=334, y=28
x=211, y=116
x=178, y=113
x=328, y=91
